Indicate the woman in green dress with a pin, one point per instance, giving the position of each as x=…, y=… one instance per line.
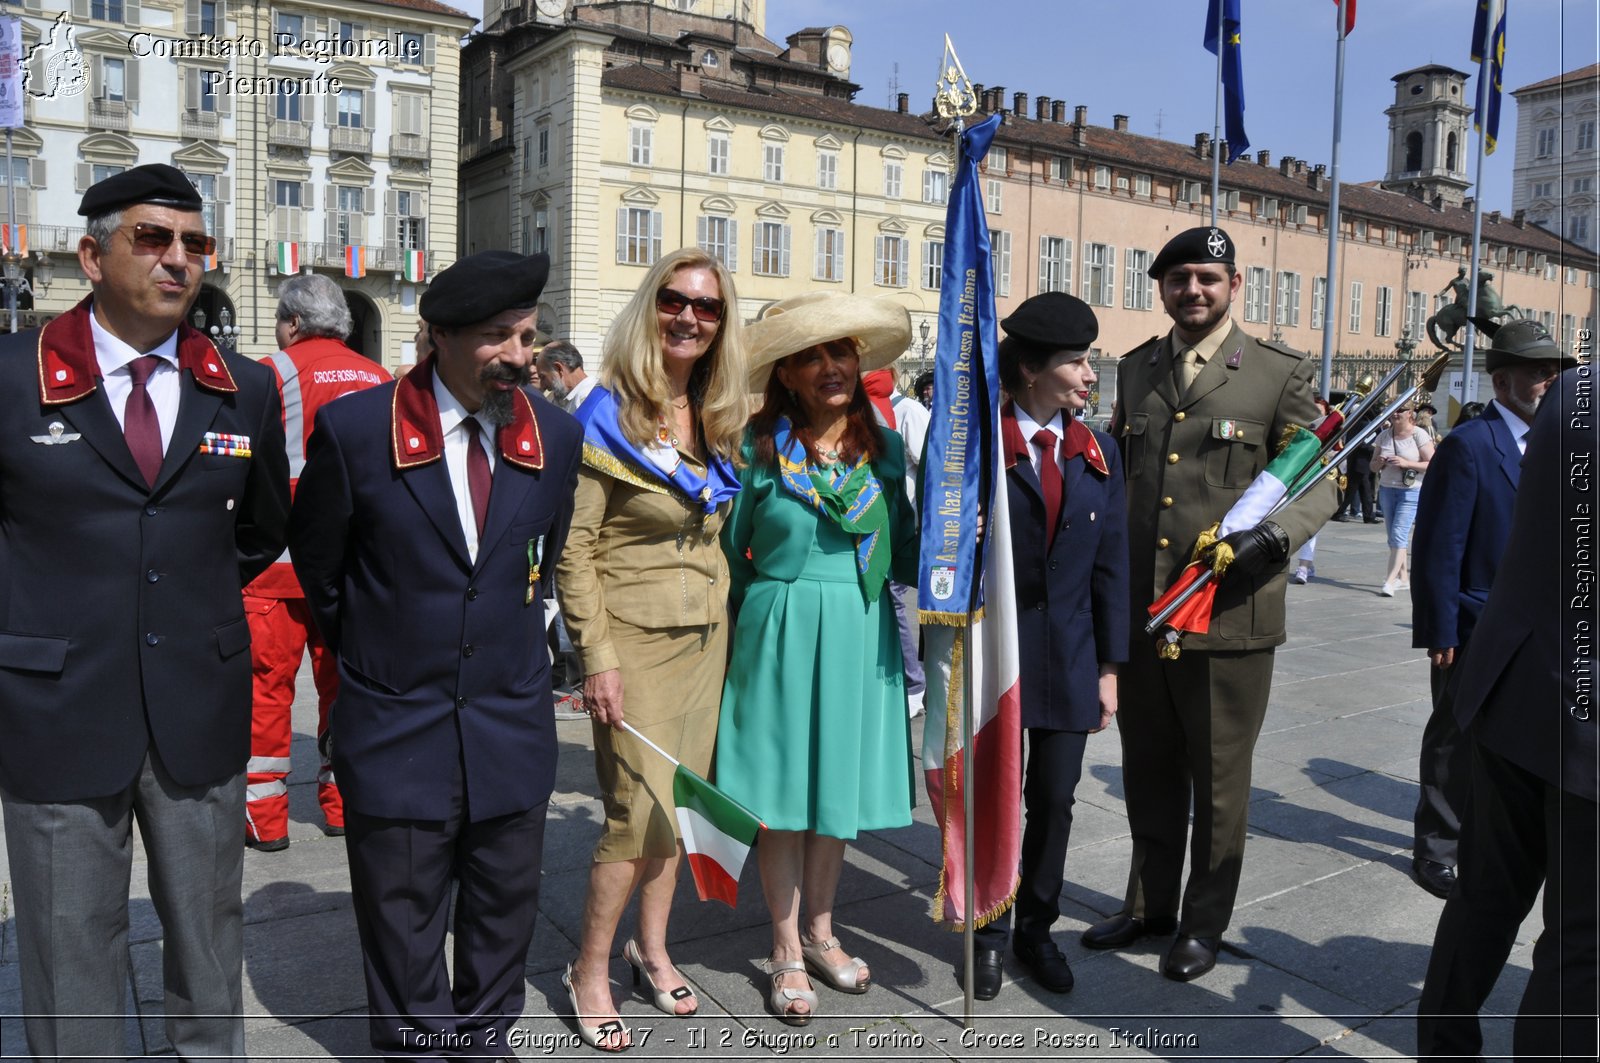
x=813, y=735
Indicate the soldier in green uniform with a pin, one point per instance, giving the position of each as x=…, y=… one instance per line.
x=1199, y=414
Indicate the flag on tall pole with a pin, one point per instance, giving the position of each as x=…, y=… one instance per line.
x=1223, y=16
x=1494, y=48
x=967, y=598
x=1349, y=15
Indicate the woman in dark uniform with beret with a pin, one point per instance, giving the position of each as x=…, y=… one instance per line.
x=1070, y=555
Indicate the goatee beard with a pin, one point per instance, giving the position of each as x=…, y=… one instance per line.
x=497, y=406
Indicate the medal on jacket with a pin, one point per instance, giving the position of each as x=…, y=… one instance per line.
x=535, y=555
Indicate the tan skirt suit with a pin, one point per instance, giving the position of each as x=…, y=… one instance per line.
x=644, y=588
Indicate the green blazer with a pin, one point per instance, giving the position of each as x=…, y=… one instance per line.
x=1189, y=458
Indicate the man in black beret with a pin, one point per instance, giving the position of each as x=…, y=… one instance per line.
x=1463, y=525
x=427, y=522
x=143, y=481
x=1198, y=415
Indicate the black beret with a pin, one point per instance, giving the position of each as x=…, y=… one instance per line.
x=479, y=286
x=1519, y=342
x=154, y=182
x=1204, y=244
x=1055, y=321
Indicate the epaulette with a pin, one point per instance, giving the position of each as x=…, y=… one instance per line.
x=1283, y=348
x=1142, y=346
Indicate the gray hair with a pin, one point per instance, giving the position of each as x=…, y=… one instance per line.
x=319, y=304
x=562, y=352
x=102, y=225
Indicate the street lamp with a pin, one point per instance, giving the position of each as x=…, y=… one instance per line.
x=224, y=335
x=15, y=284
x=923, y=329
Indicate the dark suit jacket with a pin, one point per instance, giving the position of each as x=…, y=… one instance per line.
x=1529, y=684
x=444, y=675
x=1072, y=597
x=121, y=621
x=1463, y=521
x=1188, y=459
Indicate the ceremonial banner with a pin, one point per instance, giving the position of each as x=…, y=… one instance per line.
x=1232, y=72
x=288, y=258
x=413, y=266
x=1497, y=61
x=355, y=261
x=968, y=600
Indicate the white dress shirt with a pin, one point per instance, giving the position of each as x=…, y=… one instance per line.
x=1514, y=421
x=451, y=414
x=579, y=392
x=163, y=388
x=1030, y=428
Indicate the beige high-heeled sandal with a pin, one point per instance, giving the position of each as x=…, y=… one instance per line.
x=846, y=977
x=598, y=1037
x=781, y=999
x=665, y=999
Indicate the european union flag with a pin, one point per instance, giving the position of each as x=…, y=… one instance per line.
x=1232, y=71
x=1496, y=48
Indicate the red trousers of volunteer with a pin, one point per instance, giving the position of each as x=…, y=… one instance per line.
x=280, y=632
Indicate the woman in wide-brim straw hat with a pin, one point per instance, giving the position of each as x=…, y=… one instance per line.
x=813, y=735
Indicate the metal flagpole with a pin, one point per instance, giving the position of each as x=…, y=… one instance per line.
x=1468, y=386
x=1329, y=301
x=1216, y=127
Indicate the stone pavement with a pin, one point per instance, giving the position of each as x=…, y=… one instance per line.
x=1325, y=957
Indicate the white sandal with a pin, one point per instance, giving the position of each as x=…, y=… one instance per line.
x=781, y=1000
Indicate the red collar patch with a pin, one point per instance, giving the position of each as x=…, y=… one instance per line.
x=1079, y=441
x=416, y=438
x=69, y=370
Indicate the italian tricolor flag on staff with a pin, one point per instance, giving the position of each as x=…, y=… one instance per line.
x=288, y=258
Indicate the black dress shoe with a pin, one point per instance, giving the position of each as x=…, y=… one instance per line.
x=1049, y=967
x=1438, y=879
x=1123, y=929
x=988, y=969
x=270, y=845
x=1189, y=958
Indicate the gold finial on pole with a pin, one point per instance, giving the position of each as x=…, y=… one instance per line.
x=953, y=96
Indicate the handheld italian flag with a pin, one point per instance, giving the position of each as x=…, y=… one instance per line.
x=717, y=831
x=288, y=258
x=413, y=266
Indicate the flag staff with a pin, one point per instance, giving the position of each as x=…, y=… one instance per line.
x=1486, y=39
x=954, y=99
x=1331, y=304
x=1216, y=124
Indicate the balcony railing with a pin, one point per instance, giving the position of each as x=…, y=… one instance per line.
x=289, y=134
x=108, y=114
x=200, y=125
x=408, y=146
x=380, y=258
x=353, y=141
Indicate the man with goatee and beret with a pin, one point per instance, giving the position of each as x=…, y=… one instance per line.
x=1199, y=415
x=426, y=524
x=143, y=482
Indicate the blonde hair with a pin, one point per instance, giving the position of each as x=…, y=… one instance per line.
x=631, y=363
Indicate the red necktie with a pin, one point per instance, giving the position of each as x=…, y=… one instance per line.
x=479, y=478
x=140, y=427
x=1049, y=483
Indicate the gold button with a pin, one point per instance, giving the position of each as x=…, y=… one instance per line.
x=1172, y=459
x=1180, y=415
x=1166, y=503
x=1163, y=543
x=1238, y=433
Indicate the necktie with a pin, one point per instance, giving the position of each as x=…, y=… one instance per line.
x=140, y=426
x=1049, y=482
x=479, y=478
x=1188, y=368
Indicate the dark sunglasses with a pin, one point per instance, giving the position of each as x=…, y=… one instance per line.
x=157, y=238
x=669, y=301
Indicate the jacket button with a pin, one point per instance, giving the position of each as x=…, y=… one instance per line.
x=1172, y=459
x=150, y=511
x=1166, y=503
x=1040, y=607
x=468, y=650
x=472, y=594
x=1180, y=415
x=151, y=638
x=1163, y=543
x=461, y=703
x=1054, y=565
x=152, y=576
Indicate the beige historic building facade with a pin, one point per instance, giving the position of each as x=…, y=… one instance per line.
x=1558, y=163
x=609, y=133
x=324, y=125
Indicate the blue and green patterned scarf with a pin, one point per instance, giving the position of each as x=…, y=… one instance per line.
x=851, y=498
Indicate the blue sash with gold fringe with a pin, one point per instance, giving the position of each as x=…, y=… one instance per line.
x=656, y=467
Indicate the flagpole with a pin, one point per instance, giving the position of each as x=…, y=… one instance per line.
x=1216, y=124
x=626, y=726
x=1468, y=388
x=1329, y=301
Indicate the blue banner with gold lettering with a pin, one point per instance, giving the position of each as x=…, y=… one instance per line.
x=957, y=472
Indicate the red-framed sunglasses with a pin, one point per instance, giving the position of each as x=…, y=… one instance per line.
x=155, y=239
x=706, y=308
